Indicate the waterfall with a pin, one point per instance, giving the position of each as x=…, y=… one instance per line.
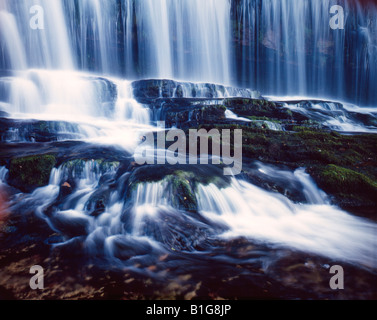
x=164, y=43
x=28, y=48
x=75, y=105
x=286, y=47
x=278, y=47
x=149, y=217
x=12, y=40
x=81, y=94
x=149, y=199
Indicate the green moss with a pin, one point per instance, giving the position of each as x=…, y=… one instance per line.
x=254, y=118
x=32, y=171
x=340, y=180
x=185, y=197
x=308, y=147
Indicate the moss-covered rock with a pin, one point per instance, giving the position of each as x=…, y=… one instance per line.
x=184, y=192
x=182, y=182
x=32, y=172
x=342, y=180
x=351, y=190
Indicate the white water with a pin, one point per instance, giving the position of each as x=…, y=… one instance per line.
x=279, y=47
x=297, y=53
x=251, y=212
x=183, y=40
x=102, y=108
x=27, y=48
x=231, y=115
x=245, y=210
x=263, y=123
x=3, y=174
x=10, y=35
x=338, y=116
x=149, y=199
x=312, y=194
x=203, y=51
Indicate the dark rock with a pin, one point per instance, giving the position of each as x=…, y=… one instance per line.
x=31, y=172
x=179, y=92
x=154, y=89
x=36, y=131
x=66, y=189
x=147, y=90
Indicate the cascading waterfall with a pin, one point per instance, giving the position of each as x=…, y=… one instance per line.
x=154, y=47
x=97, y=109
x=12, y=39
x=28, y=48
x=77, y=89
x=287, y=47
x=319, y=228
x=277, y=47
x=334, y=115
x=242, y=209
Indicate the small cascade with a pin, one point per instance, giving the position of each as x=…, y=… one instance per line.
x=127, y=107
x=336, y=116
x=79, y=94
x=231, y=115
x=322, y=229
x=3, y=175
x=155, y=89
x=312, y=194
x=149, y=199
x=72, y=106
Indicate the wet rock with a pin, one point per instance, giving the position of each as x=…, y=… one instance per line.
x=36, y=131
x=147, y=90
x=258, y=108
x=70, y=223
x=31, y=172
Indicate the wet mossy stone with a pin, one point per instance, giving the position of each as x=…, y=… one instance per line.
x=182, y=181
x=185, y=195
x=352, y=191
x=338, y=180
x=32, y=172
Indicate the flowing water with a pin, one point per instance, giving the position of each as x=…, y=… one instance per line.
x=255, y=44
x=71, y=76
